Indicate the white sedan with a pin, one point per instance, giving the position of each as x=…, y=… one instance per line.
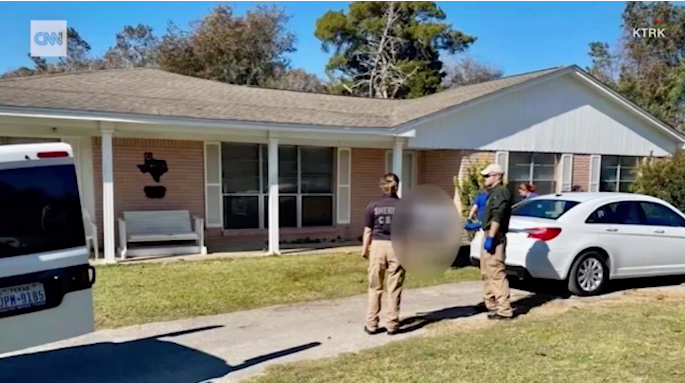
x=586, y=239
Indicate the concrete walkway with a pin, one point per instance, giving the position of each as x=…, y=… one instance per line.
x=231, y=347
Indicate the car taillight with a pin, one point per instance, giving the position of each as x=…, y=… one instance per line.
x=52, y=154
x=544, y=233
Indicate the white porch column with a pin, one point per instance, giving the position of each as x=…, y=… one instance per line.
x=274, y=236
x=107, y=128
x=397, y=162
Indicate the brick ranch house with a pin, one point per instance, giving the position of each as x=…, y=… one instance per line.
x=558, y=128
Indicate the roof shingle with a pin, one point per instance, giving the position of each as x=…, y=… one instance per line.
x=146, y=91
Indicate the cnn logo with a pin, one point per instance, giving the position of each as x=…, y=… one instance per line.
x=48, y=38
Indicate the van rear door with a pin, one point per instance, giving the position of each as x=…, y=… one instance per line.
x=45, y=279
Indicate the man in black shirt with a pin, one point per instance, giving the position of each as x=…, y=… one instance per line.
x=493, y=256
x=377, y=248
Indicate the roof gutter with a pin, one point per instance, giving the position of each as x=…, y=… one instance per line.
x=67, y=114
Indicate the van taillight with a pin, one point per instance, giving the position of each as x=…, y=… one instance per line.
x=544, y=233
x=52, y=154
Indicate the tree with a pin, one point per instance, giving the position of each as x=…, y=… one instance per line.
x=388, y=49
x=650, y=71
x=469, y=71
x=78, y=53
x=78, y=58
x=175, y=53
x=604, y=63
x=135, y=47
x=298, y=80
x=663, y=178
x=247, y=50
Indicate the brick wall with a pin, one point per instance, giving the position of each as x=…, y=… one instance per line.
x=184, y=181
x=438, y=167
x=581, y=171
x=368, y=165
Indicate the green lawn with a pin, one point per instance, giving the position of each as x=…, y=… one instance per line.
x=639, y=337
x=141, y=293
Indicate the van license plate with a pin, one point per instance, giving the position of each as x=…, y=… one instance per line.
x=21, y=297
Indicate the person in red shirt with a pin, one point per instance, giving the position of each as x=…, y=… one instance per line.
x=527, y=191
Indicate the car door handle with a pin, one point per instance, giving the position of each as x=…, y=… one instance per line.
x=659, y=231
x=612, y=229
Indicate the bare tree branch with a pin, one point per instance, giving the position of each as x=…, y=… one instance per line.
x=383, y=78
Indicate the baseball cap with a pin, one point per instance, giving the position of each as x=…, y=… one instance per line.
x=492, y=169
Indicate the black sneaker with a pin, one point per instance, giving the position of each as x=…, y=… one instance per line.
x=393, y=332
x=371, y=332
x=499, y=317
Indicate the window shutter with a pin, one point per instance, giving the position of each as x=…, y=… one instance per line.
x=344, y=182
x=595, y=168
x=213, y=197
x=502, y=159
x=566, y=172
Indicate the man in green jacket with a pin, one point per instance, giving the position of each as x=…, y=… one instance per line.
x=495, y=227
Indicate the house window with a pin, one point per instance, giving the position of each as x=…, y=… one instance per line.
x=536, y=168
x=240, y=185
x=618, y=173
x=305, y=186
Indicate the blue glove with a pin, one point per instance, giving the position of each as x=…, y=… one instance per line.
x=472, y=226
x=489, y=245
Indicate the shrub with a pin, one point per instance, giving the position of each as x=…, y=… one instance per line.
x=663, y=178
x=472, y=184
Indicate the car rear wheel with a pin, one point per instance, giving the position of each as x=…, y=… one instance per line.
x=589, y=274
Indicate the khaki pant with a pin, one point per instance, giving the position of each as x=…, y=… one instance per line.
x=382, y=261
x=492, y=270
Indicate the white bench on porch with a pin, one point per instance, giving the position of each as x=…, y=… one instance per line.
x=144, y=227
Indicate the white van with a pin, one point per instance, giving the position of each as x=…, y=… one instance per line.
x=45, y=278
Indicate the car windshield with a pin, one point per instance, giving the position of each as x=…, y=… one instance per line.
x=40, y=210
x=543, y=208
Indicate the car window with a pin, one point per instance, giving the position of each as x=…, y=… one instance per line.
x=542, y=208
x=660, y=215
x=40, y=210
x=619, y=213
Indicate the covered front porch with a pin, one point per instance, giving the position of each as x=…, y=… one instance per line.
x=250, y=184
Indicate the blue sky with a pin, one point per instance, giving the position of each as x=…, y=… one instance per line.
x=518, y=36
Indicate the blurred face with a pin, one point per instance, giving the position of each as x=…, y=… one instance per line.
x=492, y=180
x=523, y=192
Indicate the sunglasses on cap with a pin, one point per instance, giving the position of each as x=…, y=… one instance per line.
x=489, y=175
